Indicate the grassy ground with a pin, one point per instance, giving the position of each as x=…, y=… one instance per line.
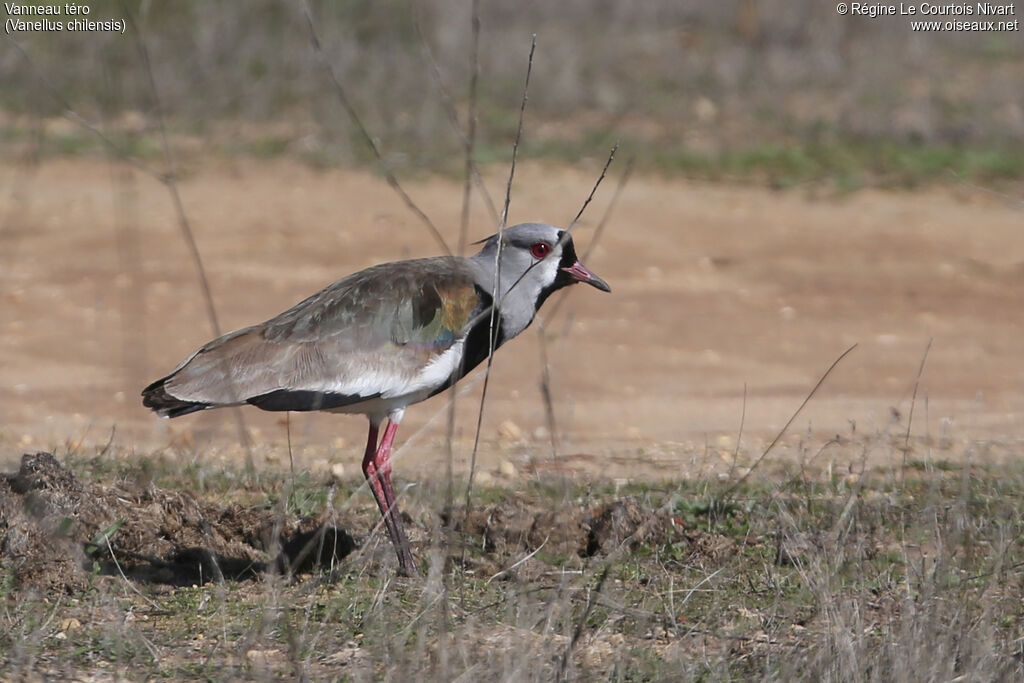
x=914, y=574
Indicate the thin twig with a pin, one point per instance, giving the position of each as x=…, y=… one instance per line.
x=288, y=437
x=602, y=224
x=732, y=489
x=166, y=178
x=127, y=582
x=169, y=179
x=545, y=372
x=73, y=116
x=545, y=390
x=467, y=138
x=520, y=561
x=910, y=416
x=599, y=231
x=519, y=135
x=739, y=435
x=581, y=624
x=110, y=442
x=470, y=166
x=469, y=141
x=593, y=190
x=689, y=592
x=495, y=303
x=353, y=115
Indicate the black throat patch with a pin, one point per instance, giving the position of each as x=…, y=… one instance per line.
x=562, y=278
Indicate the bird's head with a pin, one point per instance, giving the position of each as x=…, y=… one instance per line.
x=536, y=260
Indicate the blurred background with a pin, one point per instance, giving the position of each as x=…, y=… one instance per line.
x=765, y=89
x=802, y=181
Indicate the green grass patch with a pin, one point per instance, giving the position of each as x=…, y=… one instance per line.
x=832, y=161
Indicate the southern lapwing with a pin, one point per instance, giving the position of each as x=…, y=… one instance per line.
x=380, y=340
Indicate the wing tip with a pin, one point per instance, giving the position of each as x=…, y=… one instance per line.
x=155, y=397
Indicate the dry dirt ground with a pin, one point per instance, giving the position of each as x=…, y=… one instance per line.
x=54, y=526
x=718, y=291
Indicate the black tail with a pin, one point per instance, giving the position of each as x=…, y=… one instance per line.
x=155, y=396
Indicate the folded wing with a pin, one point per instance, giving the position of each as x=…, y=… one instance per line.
x=380, y=333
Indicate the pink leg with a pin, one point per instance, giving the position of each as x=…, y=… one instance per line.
x=377, y=470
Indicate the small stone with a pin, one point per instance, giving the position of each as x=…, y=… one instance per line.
x=344, y=656
x=262, y=657
x=507, y=469
x=710, y=357
x=888, y=339
x=338, y=471
x=510, y=431
x=704, y=109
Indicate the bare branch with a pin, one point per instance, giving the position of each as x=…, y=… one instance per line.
x=598, y=232
x=169, y=179
x=519, y=135
x=353, y=115
x=468, y=137
x=739, y=435
x=495, y=305
x=593, y=190
x=732, y=489
x=603, y=223
x=70, y=114
x=910, y=417
x=563, y=665
x=471, y=169
x=545, y=390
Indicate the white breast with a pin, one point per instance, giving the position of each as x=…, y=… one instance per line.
x=396, y=394
x=434, y=374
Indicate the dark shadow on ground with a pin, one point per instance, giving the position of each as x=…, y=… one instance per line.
x=56, y=532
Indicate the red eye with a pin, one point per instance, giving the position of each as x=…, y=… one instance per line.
x=540, y=250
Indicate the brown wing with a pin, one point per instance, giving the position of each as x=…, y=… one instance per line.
x=368, y=335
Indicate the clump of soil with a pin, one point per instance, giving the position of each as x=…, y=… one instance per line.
x=56, y=532
x=521, y=540
x=612, y=525
x=512, y=533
